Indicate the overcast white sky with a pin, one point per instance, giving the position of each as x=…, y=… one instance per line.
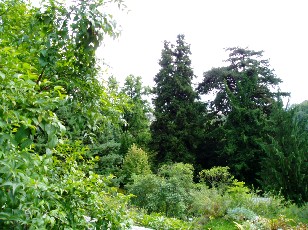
x=277, y=27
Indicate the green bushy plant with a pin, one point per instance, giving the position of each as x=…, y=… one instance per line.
x=85, y=193
x=239, y=193
x=298, y=213
x=167, y=193
x=135, y=162
x=216, y=176
x=240, y=214
x=147, y=191
x=160, y=222
x=268, y=205
x=111, y=164
x=209, y=202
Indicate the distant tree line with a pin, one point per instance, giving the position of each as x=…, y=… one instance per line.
x=245, y=126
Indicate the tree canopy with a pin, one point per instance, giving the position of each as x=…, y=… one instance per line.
x=175, y=127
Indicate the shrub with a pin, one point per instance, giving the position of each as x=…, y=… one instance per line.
x=209, y=203
x=135, y=163
x=57, y=192
x=300, y=214
x=158, y=221
x=179, y=174
x=111, y=165
x=216, y=176
x=147, y=191
x=239, y=193
x=241, y=214
x=167, y=193
x=83, y=193
x=267, y=206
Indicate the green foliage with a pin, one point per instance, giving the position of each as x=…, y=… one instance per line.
x=55, y=47
x=209, y=203
x=241, y=214
x=47, y=75
x=268, y=205
x=177, y=127
x=84, y=193
x=220, y=224
x=299, y=214
x=284, y=168
x=168, y=192
x=158, y=221
x=135, y=163
x=216, y=176
x=137, y=124
x=244, y=99
x=57, y=192
x=180, y=173
x=111, y=164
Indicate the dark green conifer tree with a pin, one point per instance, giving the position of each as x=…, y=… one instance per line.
x=285, y=164
x=176, y=127
x=244, y=99
x=136, y=129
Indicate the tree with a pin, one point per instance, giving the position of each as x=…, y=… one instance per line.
x=244, y=100
x=285, y=164
x=242, y=131
x=176, y=126
x=220, y=81
x=135, y=162
x=137, y=124
x=47, y=181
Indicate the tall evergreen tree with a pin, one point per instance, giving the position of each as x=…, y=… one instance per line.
x=175, y=129
x=285, y=164
x=244, y=100
x=137, y=124
x=219, y=81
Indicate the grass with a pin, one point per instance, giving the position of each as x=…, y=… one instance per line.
x=220, y=224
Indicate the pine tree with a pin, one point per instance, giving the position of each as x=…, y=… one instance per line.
x=137, y=124
x=244, y=100
x=285, y=165
x=176, y=126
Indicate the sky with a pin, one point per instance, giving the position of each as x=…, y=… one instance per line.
x=279, y=27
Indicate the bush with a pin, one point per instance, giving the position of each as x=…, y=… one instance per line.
x=111, y=165
x=216, y=176
x=267, y=206
x=167, y=193
x=300, y=214
x=209, y=203
x=135, y=163
x=241, y=214
x=84, y=193
x=58, y=191
x=158, y=221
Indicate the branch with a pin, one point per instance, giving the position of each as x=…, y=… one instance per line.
x=41, y=75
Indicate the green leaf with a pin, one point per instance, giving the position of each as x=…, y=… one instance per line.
x=26, y=143
x=21, y=134
x=53, y=141
x=13, y=185
x=2, y=75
